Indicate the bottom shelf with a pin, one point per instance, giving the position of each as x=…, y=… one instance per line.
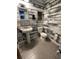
x=20, y=44
x=55, y=42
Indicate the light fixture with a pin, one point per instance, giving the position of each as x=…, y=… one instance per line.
x=26, y=0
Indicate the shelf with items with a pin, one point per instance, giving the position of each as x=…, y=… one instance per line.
x=50, y=36
x=53, y=23
x=21, y=38
x=57, y=41
x=34, y=35
x=54, y=10
x=52, y=7
x=21, y=41
x=21, y=44
x=31, y=33
x=56, y=13
x=54, y=37
x=58, y=44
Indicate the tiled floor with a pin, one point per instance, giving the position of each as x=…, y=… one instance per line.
x=40, y=49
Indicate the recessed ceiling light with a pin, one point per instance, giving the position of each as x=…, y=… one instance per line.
x=26, y=0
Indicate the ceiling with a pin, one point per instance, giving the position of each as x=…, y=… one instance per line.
x=42, y=3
